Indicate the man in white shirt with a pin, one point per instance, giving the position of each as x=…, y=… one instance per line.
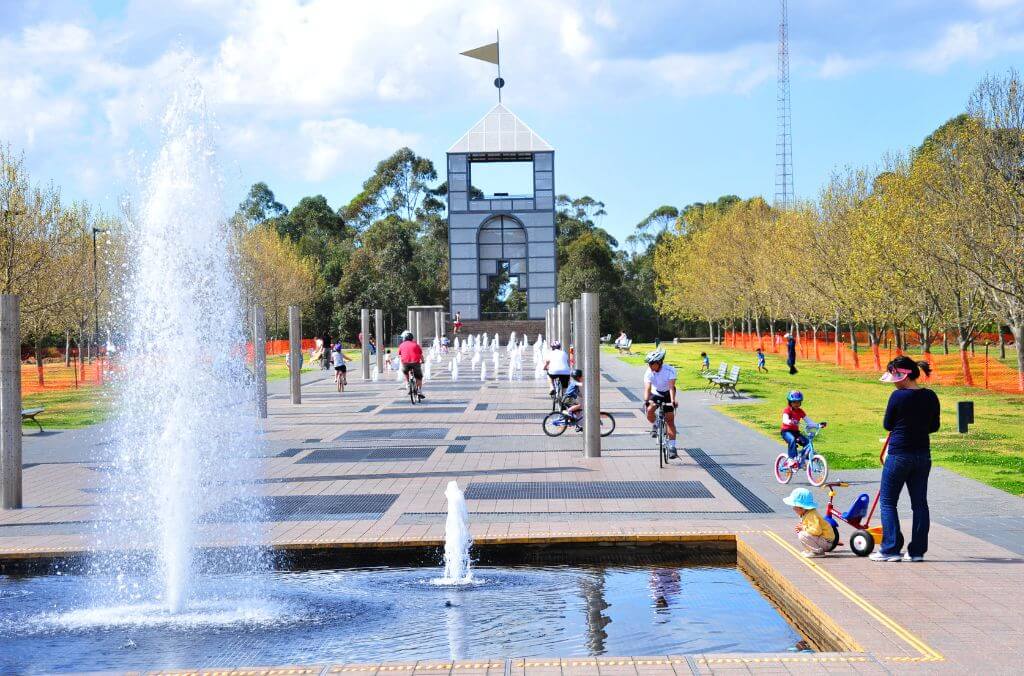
x=660, y=390
x=556, y=363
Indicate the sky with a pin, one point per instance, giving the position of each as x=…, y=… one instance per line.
x=646, y=102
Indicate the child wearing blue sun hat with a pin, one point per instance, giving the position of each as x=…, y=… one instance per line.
x=814, y=533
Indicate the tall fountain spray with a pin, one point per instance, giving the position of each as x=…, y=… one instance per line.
x=185, y=408
x=457, y=539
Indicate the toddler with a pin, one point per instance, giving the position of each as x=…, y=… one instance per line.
x=814, y=533
x=760, y=361
x=705, y=361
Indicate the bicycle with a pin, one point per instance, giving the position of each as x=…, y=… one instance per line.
x=556, y=422
x=414, y=390
x=660, y=431
x=557, y=397
x=807, y=459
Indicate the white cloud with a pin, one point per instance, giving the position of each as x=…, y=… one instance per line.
x=337, y=144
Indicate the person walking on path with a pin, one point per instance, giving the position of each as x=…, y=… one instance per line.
x=791, y=353
x=910, y=417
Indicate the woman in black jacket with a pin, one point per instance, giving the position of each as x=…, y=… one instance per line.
x=912, y=415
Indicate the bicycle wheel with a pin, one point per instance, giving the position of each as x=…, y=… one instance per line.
x=607, y=423
x=783, y=473
x=555, y=423
x=662, y=455
x=817, y=470
x=413, y=395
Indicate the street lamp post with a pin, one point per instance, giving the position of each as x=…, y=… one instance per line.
x=95, y=296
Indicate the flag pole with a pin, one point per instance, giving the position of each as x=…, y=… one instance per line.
x=497, y=39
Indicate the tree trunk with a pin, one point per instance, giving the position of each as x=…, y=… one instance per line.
x=945, y=342
x=711, y=332
x=853, y=346
x=1018, y=339
x=873, y=343
x=1002, y=342
x=926, y=339
x=67, y=348
x=39, y=362
x=814, y=337
x=757, y=330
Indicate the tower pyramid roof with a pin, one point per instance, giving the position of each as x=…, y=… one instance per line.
x=500, y=131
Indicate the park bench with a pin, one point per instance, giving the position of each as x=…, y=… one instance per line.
x=712, y=376
x=624, y=348
x=727, y=385
x=606, y=339
x=30, y=414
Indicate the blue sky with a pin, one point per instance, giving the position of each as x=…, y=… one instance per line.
x=646, y=103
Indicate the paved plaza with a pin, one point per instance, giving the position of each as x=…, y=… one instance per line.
x=365, y=468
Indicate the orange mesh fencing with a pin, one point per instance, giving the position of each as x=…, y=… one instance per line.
x=54, y=374
x=982, y=368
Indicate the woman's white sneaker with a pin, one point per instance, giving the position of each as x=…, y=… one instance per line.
x=888, y=558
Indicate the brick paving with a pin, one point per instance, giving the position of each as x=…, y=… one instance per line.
x=365, y=467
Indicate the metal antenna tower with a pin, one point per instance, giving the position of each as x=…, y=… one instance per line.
x=783, y=121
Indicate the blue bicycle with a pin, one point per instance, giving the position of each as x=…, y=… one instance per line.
x=806, y=459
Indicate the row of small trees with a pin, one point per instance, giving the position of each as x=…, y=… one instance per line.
x=67, y=286
x=933, y=243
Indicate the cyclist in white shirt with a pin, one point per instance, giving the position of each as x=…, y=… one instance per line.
x=556, y=363
x=660, y=389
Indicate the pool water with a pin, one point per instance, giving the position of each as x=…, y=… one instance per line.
x=62, y=623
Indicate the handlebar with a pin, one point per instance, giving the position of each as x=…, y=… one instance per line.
x=833, y=484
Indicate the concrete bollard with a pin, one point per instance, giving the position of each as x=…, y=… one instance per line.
x=592, y=376
x=378, y=329
x=295, y=353
x=577, y=332
x=565, y=324
x=259, y=359
x=364, y=328
x=10, y=403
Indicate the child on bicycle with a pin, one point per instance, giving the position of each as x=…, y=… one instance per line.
x=760, y=361
x=791, y=417
x=814, y=533
x=574, y=395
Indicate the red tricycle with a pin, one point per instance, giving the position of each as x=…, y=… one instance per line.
x=858, y=516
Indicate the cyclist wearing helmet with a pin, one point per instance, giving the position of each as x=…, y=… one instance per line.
x=791, y=417
x=411, y=355
x=660, y=389
x=556, y=363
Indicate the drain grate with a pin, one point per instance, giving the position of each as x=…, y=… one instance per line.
x=398, y=433
x=481, y=407
x=367, y=409
x=737, y=490
x=586, y=490
x=628, y=393
x=463, y=437
x=535, y=417
x=303, y=508
x=422, y=409
x=456, y=448
x=289, y=453
x=610, y=378
x=325, y=455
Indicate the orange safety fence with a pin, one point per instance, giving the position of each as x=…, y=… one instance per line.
x=54, y=374
x=981, y=368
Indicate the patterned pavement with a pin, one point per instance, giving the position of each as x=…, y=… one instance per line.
x=366, y=468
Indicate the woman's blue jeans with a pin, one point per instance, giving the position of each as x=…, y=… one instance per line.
x=910, y=470
x=793, y=438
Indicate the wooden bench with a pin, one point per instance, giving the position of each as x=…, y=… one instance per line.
x=728, y=384
x=625, y=348
x=30, y=414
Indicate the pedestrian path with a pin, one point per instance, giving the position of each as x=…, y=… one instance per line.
x=366, y=468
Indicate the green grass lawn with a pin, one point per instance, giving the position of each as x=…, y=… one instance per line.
x=68, y=409
x=853, y=404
